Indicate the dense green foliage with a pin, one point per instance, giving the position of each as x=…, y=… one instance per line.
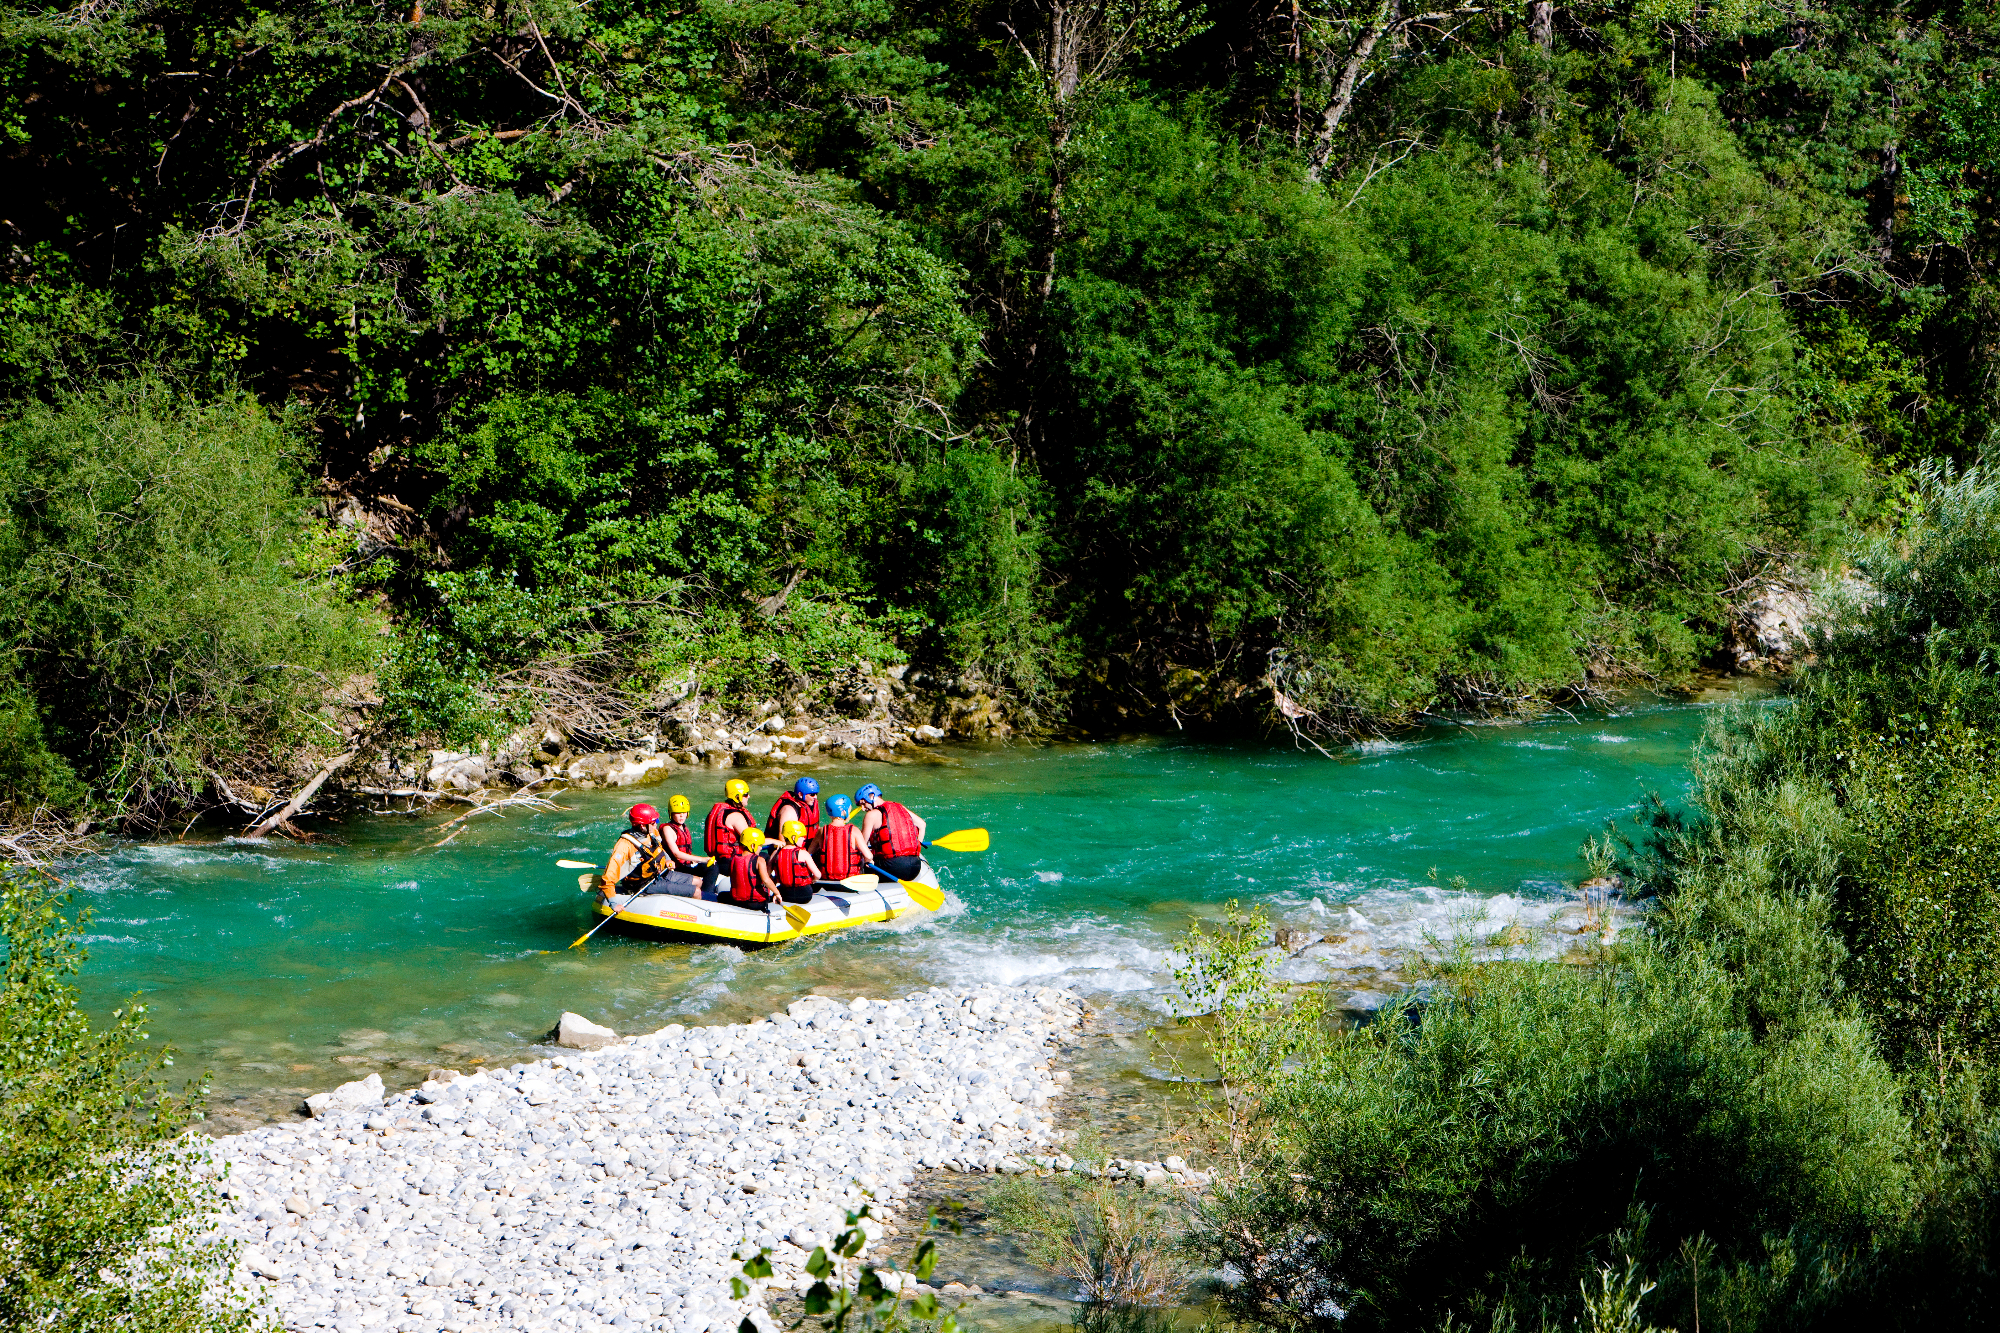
x=160, y=591
x=1141, y=357
x=102, y=1206
x=1781, y=1101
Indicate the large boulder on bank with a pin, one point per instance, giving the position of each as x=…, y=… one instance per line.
x=1767, y=630
x=619, y=768
x=574, y=1030
x=451, y=770
x=347, y=1097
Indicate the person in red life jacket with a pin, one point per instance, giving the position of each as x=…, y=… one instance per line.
x=895, y=837
x=721, y=835
x=751, y=883
x=800, y=803
x=792, y=865
x=679, y=837
x=638, y=858
x=839, y=849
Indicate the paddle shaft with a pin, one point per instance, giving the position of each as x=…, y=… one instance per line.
x=602, y=924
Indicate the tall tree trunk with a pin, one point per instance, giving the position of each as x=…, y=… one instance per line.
x=1052, y=213
x=1343, y=89
x=1892, y=166
x=1542, y=32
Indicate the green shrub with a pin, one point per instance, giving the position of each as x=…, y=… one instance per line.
x=1478, y=1155
x=32, y=777
x=807, y=651
x=149, y=587
x=1919, y=902
x=104, y=1211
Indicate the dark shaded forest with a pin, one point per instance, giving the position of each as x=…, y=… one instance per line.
x=1141, y=360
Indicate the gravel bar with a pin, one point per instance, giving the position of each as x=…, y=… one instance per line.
x=607, y=1189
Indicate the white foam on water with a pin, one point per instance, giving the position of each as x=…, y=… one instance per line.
x=1384, y=928
x=1606, y=738
x=1379, y=746
x=1049, y=876
x=1536, y=745
x=699, y=996
x=144, y=857
x=1102, y=959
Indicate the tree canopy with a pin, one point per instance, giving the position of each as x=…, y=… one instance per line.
x=1135, y=356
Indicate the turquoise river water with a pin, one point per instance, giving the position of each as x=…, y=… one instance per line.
x=285, y=969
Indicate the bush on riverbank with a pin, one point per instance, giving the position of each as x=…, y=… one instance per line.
x=166, y=603
x=1779, y=1103
x=103, y=1220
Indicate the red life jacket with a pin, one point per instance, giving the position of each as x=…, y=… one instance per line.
x=745, y=889
x=789, y=865
x=896, y=836
x=807, y=806
x=716, y=835
x=681, y=834
x=835, y=852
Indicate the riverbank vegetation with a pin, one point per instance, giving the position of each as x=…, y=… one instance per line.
x=1774, y=1109
x=105, y=1217
x=1147, y=363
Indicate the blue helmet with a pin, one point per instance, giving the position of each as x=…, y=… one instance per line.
x=806, y=786
x=840, y=807
x=868, y=793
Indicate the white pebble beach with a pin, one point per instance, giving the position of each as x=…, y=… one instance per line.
x=607, y=1189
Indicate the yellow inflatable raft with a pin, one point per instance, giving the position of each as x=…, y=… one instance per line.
x=834, y=906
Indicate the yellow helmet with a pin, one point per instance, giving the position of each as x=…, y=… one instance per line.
x=792, y=831
x=736, y=789
x=677, y=805
x=752, y=839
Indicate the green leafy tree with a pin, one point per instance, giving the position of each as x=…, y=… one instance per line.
x=157, y=592
x=106, y=1206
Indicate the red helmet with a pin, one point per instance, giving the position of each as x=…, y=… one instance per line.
x=643, y=814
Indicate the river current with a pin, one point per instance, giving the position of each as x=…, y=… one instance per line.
x=283, y=969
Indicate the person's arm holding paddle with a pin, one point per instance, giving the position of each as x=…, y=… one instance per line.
x=623, y=860
x=893, y=835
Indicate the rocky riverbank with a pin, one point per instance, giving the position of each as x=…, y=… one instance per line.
x=607, y=1189
x=893, y=718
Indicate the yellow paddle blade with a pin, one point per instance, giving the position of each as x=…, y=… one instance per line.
x=798, y=914
x=862, y=882
x=581, y=938
x=965, y=840
x=577, y=865
x=583, y=883
x=923, y=895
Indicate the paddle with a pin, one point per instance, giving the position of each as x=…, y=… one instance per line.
x=923, y=895
x=965, y=840
x=583, y=886
x=576, y=865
